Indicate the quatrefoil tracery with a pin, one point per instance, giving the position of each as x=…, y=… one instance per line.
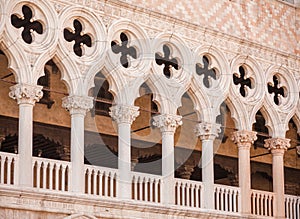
x=124, y=49
x=29, y=25
x=79, y=37
x=167, y=61
x=274, y=87
x=242, y=80
x=209, y=73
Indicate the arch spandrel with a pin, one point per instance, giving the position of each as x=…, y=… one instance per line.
x=34, y=46
x=135, y=46
x=278, y=115
x=171, y=88
x=244, y=108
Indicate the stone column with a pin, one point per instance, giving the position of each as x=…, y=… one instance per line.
x=207, y=133
x=124, y=116
x=26, y=96
x=277, y=146
x=167, y=124
x=77, y=106
x=244, y=139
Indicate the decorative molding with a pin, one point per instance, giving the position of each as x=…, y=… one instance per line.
x=167, y=122
x=124, y=114
x=26, y=93
x=77, y=104
x=207, y=131
x=244, y=139
x=275, y=144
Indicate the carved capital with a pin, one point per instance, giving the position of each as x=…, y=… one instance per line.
x=207, y=131
x=277, y=144
x=167, y=122
x=244, y=138
x=77, y=104
x=26, y=93
x=124, y=114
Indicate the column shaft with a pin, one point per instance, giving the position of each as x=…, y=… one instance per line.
x=278, y=146
x=208, y=173
x=25, y=145
x=77, y=152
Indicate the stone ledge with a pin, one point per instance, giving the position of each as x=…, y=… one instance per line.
x=63, y=203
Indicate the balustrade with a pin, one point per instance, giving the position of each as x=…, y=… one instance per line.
x=101, y=181
x=292, y=207
x=188, y=193
x=8, y=168
x=51, y=174
x=227, y=198
x=262, y=203
x=146, y=187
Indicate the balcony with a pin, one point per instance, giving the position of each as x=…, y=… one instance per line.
x=52, y=184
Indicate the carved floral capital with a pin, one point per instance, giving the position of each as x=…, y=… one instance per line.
x=244, y=138
x=26, y=93
x=206, y=130
x=167, y=122
x=277, y=144
x=77, y=104
x=124, y=114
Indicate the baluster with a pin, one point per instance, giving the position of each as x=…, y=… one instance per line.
x=106, y=176
x=253, y=204
x=151, y=189
x=271, y=207
x=188, y=195
x=94, y=182
x=291, y=208
x=266, y=205
x=44, y=167
x=234, y=203
x=69, y=172
x=100, y=183
x=2, y=169
x=63, y=178
x=146, y=190
x=135, y=183
x=57, y=168
x=230, y=206
x=226, y=193
x=222, y=199
x=141, y=188
x=217, y=198
x=111, y=185
x=193, y=189
x=50, y=176
x=178, y=192
x=89, y=174
x=9, y=160
x=38, y=174
x=183, y=193
x=156, y=190
x=197, y=189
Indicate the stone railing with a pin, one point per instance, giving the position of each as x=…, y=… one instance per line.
x=51, y=174
x=262, y=203
x=8, y=168
x=188, y=193
x=146, y=187
x=101, y=181
x=292, y=207
x=227, y=198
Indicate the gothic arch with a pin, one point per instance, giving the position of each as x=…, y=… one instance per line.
x=249, y=104
x=278, y=115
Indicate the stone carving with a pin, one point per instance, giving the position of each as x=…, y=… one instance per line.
x=207, y=130
x=185, y=171
x=124, y=114
x=167, y=122
x=77, y=104
x=277, y=143
x=25, y=93
x=244, y=138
